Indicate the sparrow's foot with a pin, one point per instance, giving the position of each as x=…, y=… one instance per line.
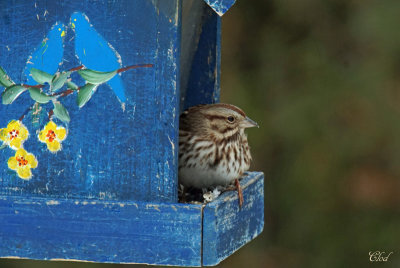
x=240, y=193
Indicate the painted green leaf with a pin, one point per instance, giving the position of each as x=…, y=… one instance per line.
x=72, y=85
x=59, y=80
x=11, y=93
x=60, y=112
x=95, y=77
x=40, y=76
x=38, y=96
x=85, y=93
x=5, y=81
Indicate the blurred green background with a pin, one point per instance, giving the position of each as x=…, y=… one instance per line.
x=322, y=78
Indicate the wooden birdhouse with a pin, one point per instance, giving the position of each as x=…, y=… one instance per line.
x=91, y=97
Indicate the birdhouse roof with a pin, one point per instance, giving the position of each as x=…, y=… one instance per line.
x=220, y=6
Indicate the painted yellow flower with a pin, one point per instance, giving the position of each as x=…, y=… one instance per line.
x=53, y=135
x=14, y=134
x=22, y=162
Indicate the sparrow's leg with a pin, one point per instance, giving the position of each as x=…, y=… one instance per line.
x=240, y=193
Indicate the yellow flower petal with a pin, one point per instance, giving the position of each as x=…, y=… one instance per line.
x=54, y=146
x=16, y=143
x=24, y=172
x=21, y=153
x=12, y=163
x=32, y=160
x=23, y=133
x=61, y=133
x=13, y=125
x=50, y=126
x=42, y=136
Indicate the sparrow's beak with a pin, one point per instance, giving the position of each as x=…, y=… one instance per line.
x=248, y=123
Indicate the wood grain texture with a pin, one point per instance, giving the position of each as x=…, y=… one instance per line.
x=226, y=227
x=112, y=151
x=131, y=232
x=101, y=231
x=203, y=83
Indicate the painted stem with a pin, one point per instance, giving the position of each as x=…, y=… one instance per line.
x=35, y=86
x=51, y=114
x=134, y=67
x=70, y=91
x=64, y=93
x=76, y=68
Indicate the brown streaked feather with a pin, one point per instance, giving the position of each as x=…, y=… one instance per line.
x=209, y=143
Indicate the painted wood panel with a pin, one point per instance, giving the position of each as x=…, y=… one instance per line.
x=121, y=145
x=101, y=231
x=131, y=232
x=203, y=81
x=226, y=227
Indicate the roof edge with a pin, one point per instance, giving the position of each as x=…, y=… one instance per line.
x=220, y=6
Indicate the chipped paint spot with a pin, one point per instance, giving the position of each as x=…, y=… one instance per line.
x=156, y=207
x=52, y=202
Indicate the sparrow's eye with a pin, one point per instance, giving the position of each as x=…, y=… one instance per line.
x=231, y=119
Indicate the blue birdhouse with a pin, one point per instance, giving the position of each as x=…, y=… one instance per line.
x=91, y=97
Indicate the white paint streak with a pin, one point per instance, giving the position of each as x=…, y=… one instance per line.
x=172, y=145
x=52, y=202
x=156, y=207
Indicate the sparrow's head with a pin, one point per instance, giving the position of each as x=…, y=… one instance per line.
x=218, y=120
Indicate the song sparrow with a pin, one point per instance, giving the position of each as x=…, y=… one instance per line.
x=213, y=148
